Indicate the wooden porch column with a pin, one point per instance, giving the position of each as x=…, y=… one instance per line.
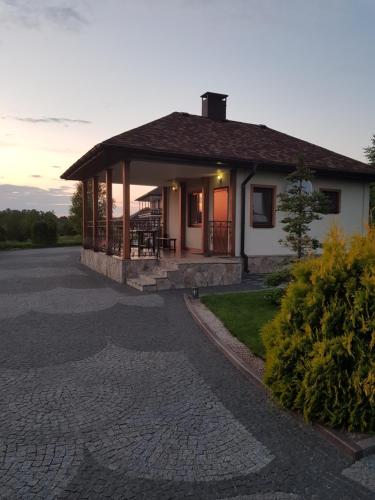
x=232, y=211
x=182, y=216
x=84, y=214
x=125, y=209
x=108, y=211
x=165, y=210
x=205, y=213
x=95, y=212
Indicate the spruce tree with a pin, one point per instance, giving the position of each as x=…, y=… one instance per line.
x=302, y=206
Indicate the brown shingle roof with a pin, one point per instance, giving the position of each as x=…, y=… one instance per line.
x=154, y=192
x=197, y=137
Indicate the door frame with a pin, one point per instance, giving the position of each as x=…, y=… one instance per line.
x=227, y=190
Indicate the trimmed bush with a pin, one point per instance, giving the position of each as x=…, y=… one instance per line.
x=44, y=232
x=279, y=277
x=274, y=296
x=320, y=346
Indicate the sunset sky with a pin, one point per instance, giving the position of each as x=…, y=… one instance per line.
x=75, y=72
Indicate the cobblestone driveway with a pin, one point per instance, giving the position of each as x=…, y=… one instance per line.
x=108, y=393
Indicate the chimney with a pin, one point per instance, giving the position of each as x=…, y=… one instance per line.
x=214, y=105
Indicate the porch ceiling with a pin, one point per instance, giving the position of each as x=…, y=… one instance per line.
x=152, y=173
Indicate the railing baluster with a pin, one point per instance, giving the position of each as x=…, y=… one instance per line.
x=220, y=236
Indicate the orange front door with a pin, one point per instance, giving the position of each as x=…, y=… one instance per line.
x=220, y=221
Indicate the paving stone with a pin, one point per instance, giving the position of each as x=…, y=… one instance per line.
x=108, y=393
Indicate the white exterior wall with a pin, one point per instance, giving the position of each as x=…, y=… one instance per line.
x=265, y=241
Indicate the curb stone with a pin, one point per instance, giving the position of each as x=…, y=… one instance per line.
x=253, y=368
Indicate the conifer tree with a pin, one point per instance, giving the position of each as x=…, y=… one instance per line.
x=302, y=205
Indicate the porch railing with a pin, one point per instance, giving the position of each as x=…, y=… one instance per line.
x=220, y=234
x=143, y=237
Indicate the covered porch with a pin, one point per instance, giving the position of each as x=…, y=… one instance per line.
x=198, y=211
x=191, y=244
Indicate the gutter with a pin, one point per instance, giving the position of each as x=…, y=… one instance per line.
x=243, y=205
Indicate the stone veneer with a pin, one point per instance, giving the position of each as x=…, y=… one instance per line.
x=203, y=274
x=186, y=273
x=109, y=265
x=266, y=263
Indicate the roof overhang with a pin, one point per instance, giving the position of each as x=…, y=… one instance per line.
x=104, y=156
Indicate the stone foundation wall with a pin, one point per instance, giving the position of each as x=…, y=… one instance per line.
x=185, y=275
x=132, y=268
x=267, y=263
x=206, y=274
x=108, y=265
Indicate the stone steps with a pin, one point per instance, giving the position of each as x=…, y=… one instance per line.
x=155, y=280
x=171, y=274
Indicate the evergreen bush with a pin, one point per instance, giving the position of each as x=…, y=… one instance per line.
x=274, y=296
x=279, y=277
x=44, y=232
x=320, y=346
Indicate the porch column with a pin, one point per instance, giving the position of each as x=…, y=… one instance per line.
x=232, y=211
x=205, y=213
x=108, y=211
x=84, y=214
x=125, y=209
x=95, y=212
x=165, y=210
x=182, y=216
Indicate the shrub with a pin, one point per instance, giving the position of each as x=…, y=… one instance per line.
x=320, y=346
x=3, y=234
x=44, y=232
x=279, y=277
x=274, y=296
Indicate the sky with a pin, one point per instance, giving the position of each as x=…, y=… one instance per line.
x=76, y=72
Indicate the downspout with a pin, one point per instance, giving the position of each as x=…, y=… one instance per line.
x=243, y=210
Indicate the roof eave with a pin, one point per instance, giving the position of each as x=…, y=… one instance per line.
x=103, y=155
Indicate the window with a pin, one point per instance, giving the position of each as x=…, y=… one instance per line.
x=262, y=206
x=195, y=209
x=332, y=199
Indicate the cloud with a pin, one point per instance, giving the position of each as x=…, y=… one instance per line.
x=29, y=197
x=56, y=166
x=6, y=144
x=38, y=12
x=36, y=176
x=46, y=119
x=65, y=16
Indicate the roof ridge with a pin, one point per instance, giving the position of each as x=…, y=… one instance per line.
x=266, y=127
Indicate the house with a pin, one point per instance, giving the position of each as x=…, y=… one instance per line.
x=219, y=181
x=149, y=206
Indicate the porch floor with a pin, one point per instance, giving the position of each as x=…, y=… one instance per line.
x=187, y=256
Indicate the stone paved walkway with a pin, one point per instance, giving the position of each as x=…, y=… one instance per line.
x=108, y=393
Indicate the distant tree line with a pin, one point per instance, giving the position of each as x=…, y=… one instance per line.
x=35, y=225
x=44, y=228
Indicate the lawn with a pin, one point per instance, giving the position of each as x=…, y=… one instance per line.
x=243, y=314
x=62, y=241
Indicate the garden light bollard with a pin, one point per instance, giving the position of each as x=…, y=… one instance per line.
x=195, y=292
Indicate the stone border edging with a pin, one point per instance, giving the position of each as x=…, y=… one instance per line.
x=252, y=367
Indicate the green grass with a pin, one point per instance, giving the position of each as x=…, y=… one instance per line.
x=243, y=314
x=63, y=241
